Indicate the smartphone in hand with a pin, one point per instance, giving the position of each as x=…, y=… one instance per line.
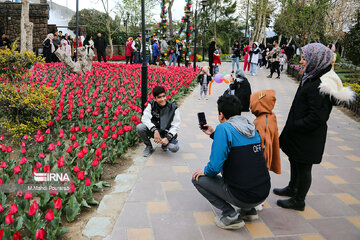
x=202, y=120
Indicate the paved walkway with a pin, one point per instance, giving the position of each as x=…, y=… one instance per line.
x=163, y=204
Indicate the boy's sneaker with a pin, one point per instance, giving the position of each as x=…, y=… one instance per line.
x=148, y=151
x=228, y=222
x=249, y=215
x=164, y=148
x=206, y=98
x=199, y=98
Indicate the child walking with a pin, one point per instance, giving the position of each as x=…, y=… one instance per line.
x=204, y=79
x=262, y=104
x=217, y=61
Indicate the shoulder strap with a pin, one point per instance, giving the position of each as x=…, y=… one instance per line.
x=265, y=132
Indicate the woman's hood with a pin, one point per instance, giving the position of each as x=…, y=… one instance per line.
x=331, y=84
x=262, y=102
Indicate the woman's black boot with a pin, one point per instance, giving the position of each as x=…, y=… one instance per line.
x=292, y=203
x=286, y=191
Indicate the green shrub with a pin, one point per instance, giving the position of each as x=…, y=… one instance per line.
x=25, y=109
x=14, y=65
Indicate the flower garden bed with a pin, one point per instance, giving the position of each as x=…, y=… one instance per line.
x=349, y=77
x=93, y=123
x=114, y=58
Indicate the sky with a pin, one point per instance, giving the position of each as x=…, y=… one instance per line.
x=178, y=7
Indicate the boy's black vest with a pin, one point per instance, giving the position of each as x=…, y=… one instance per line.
x=162, y=116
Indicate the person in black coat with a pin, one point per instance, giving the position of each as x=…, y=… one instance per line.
x=211, y=51
x=241, y=88
x=4, y=41
x=304, y=135
x=100, y=44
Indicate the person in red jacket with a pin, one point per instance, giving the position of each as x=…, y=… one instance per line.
x=129, y=51
x=247, y=57
x=216, y=61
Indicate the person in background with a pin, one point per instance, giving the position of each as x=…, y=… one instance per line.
x=173, y=51
x=148, y=51
x=5, y=42
x=254, y=58
x=88, y=43
x=129, y=51
x=274, y=56
x=180, y=47
x=333, y=49
x=49, y=48
x=247, y=57
x=236, y=153
x=155, y=48
x=204, y=79
x=60, y=36
x=136, y=46
x=71, y=44
x=240, y=87
x=235, y=55
x=216, y=62
x=164, y=50
x=100, y=44
x=212, y=48
x=161, y=121
x=65, y=46
x=283, y=60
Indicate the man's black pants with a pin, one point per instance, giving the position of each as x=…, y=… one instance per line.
x=275, y=66
x=300, y=178
x=101, y=54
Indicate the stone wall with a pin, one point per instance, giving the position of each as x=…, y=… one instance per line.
x=10, y=14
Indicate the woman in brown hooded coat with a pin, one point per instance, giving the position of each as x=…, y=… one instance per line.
x=261, y=104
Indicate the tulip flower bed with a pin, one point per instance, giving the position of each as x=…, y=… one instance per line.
x=114, y=58
x=93, y=122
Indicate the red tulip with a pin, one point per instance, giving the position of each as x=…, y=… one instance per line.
x=87, y=182
x=61, y=162
x=42, y=155
x=23, y=150
x=51, y=147
x=9, y=219
x=58, y=203
x=50, y=123
x=32, y=209
x=80, y=175
x=23, y=160
x=28, y=195
x=13, y=208
x=47, y=168
x=76, y=169
x=72, y=188
x=95, y=163
x=17, y=169
x=38, y=164
x=69, y=150
x=16, y=236
x=3, y=164
x=103, y=145
x=61, y=133
x=40, y=234
x=81, y=155
x=1, y=209
x=9, y=149
x=49, y=215
x=20, y=181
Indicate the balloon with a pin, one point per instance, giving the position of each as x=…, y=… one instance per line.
x=228, y=76
x=218, y=78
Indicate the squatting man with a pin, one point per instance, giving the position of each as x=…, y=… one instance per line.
x=161, y=121
x=236, y=152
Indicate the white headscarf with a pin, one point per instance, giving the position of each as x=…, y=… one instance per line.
x=50, y=36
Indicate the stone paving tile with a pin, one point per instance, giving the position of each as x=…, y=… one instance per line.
x=175, y=225
x=335, y=229
x=139, y=234
x=329, y=206
x=146, y=191
x=285, y=222
x=187, y=200
x=133, y=215
x=213, y=233
x=312, y=237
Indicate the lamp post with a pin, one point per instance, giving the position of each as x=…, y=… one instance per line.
x=144, y=92
x=204, y=4
x=126, y=25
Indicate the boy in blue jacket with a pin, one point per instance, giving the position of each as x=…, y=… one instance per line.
x=155, y=52
x=236, y=152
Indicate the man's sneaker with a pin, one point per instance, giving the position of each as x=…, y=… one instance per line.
x=278, y=77
x=199, y=98
x=165, y=148
x=269, y=76
x=228, y=222
x=249, y=215
x=286, y=191
x=148, y=151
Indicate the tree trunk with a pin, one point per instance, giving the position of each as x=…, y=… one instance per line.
x=171, y=26
x=215, y=21
x=109, y=36
x=280, y=37
x=289, y=41
x=26, y=28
